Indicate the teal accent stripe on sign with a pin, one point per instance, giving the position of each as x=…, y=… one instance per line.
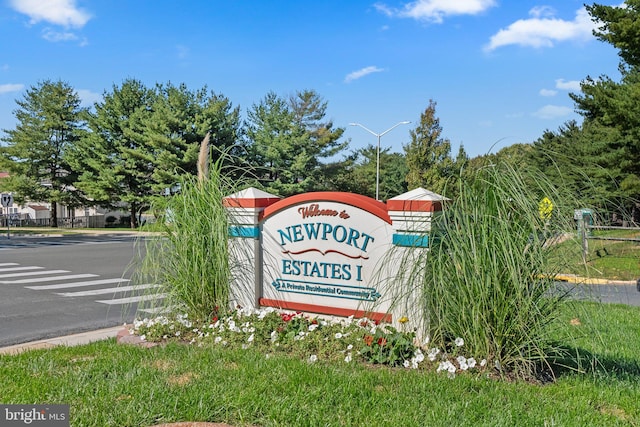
x=411, y=240
x=244, y=231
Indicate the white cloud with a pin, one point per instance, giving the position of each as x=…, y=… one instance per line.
x=88, y=98
x=59, y=12
x=548, y=92
x=552, y=112
x=436, y=10
x=58, y=36
x=361, y=73
x=573, y=85
x=11, y=87
x=543, y=29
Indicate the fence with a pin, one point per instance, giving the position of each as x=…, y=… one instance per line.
x=15, y=220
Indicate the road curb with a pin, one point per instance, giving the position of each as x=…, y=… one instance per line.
x=68, y=340
x=572, y=278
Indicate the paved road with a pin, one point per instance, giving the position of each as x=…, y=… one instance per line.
x=52, y=286
x=615, y=294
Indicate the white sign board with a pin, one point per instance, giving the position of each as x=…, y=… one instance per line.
x=6, y=199
x=324, y=254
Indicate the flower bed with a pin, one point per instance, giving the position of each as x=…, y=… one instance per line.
x=329, y=339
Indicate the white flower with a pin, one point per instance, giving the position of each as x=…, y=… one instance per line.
x=350, y=346
x=459, y=342
x=250, y=339
x=143, y=337
x=471, y=362
x=418, y=356
x=451, y=375
x=313, y=327
x=313, y=358
x=433, y=353
x=274, y=336
x=177, y=333
x=217, y=340
x=483, y=362
x=338, y=335
x=447, y=366
x=348, y=358
x=406, y=363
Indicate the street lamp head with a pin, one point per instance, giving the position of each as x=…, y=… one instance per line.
x=353, y=124
x=406, y=122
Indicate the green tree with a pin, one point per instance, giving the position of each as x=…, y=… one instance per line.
x=610, y=109
x=356, y=173
x=179, y=120
x=321, y=138
x=611, y=128
x=49, y=124
x=428, y=155
x=287, y=141
x=620, y=27
x=116, y=157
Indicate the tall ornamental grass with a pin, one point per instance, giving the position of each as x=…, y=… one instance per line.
x=488, y=276
x=191, y=261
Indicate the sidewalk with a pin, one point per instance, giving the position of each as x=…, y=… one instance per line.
x=69, y=340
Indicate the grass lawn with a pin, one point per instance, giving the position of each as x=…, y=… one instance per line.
x=609, y=259
x=107, y=384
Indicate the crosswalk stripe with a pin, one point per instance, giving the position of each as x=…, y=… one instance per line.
x=76, y=284
x=128, y=300
x=48, y=279
x=100, y=243
x=32, y=273
x=106, y=290
x=31, y=267
x=5, y=264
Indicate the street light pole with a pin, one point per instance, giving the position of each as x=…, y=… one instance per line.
x=379, y=135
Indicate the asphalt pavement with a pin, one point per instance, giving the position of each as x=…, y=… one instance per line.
x=628, y=289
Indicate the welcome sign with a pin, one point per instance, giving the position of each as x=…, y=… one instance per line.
x=326, y=252
x=321, y=251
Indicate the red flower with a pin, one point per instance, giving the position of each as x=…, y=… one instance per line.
x=286, y=317
x=215, y=319
x=382, y=341
x=368, y=339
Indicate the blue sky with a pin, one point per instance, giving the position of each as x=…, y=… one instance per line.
x=500, y=71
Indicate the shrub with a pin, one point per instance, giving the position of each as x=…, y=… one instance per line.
x=489, y=273
x=191, y=262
